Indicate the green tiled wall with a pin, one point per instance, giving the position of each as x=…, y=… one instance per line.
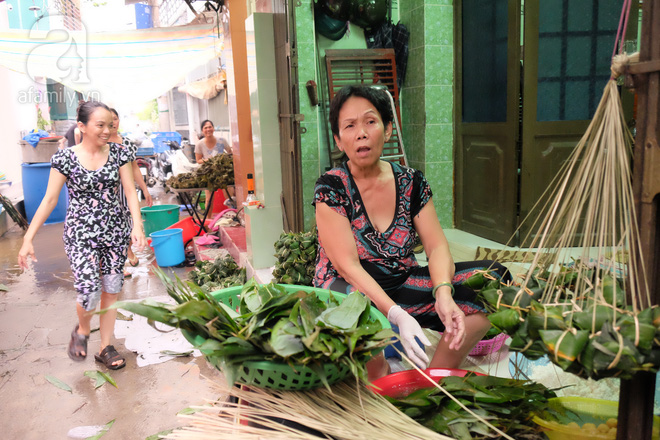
x=426, y=98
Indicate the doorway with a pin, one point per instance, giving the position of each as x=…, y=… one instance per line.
x=529, y=76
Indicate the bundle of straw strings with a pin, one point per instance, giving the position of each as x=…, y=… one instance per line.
x=584, y=300
x=591, y=210
x=346, y=413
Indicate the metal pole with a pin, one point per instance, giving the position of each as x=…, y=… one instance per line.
x=635, y=420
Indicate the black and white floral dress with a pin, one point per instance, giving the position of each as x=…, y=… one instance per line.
x=96, y=231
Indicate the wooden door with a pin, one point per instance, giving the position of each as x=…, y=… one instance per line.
x=567, y=58
x=286, y=63
x=528, y=82
x=487, y=117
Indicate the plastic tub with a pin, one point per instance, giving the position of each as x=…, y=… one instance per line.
x=398, y=385
x=189, y=228
x=168, y=247
x=35, y=182
x=159, y=217
x=583, y=410
x=42, y=152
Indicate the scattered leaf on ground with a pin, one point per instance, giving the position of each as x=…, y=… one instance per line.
x=58, y=383
x=101, y=378
x=176, y=353
x=105, y=429
x=4, y=288
x=188, y=411
x=160, y=435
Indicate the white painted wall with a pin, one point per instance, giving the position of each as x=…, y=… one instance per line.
x=14, y=118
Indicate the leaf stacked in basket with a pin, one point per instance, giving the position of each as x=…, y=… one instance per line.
x=271, y=324
x=216, y=172
x=218, y=274
x=508, y=404
x=296, y=258
x=593, y=334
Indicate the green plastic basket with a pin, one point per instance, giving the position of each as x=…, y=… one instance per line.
x=278, y=375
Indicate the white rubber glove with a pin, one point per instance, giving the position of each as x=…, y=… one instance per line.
x=409, y=328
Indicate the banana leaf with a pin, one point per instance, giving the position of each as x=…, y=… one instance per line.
x=506, y=320
x=613, y=291
x=629, y=328
x=594, y=317
x=544, y=317
x=285, y=339
x=347, y=314
x=602, y=350
x=564, y=346
x=476, y=281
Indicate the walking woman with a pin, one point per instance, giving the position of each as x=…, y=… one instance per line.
x=96, y=231
x=127, y=144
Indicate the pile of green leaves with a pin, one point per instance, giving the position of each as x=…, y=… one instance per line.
x=601, y=338
x=216, y=172
x=218, y=274
x=296, y=258
x=268, y=323
x=508, y=404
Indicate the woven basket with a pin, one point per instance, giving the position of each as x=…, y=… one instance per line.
x=487, y=346
x=279, y=375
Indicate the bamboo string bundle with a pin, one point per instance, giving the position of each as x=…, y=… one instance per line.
x=592, y=209
x=584, y=299
x=346, y=413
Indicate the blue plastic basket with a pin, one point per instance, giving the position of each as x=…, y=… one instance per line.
x=145, y=151
x=160, y=137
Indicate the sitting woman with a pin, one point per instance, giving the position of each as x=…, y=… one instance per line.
x=368, y=214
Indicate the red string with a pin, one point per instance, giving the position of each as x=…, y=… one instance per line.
x=623, y=25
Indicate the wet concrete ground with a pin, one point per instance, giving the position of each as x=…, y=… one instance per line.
x=37, y=314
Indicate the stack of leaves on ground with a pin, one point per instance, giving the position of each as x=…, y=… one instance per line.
x=508, y=404
x=589, y=332
x=296, y=258
x=272, y=324
x=218, y=274
x=215, y=173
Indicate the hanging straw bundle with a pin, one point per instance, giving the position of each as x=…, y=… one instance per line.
x=584, y=300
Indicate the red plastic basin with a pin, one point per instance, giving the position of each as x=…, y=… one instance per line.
x=397, y=385
x=189, y=227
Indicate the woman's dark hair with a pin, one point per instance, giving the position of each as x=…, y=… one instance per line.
x=85, y=110
x=201, y=127
x=377, y=97
x=114, y=111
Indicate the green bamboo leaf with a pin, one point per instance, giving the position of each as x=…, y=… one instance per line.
x=96, y=375
x=108, y=378
x=102, y=432
x=176, y=353
x=58, y=383
x=160, y=435
x=188, y=411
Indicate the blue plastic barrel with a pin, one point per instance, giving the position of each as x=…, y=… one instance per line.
x=168, y=247
x=35, y=182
